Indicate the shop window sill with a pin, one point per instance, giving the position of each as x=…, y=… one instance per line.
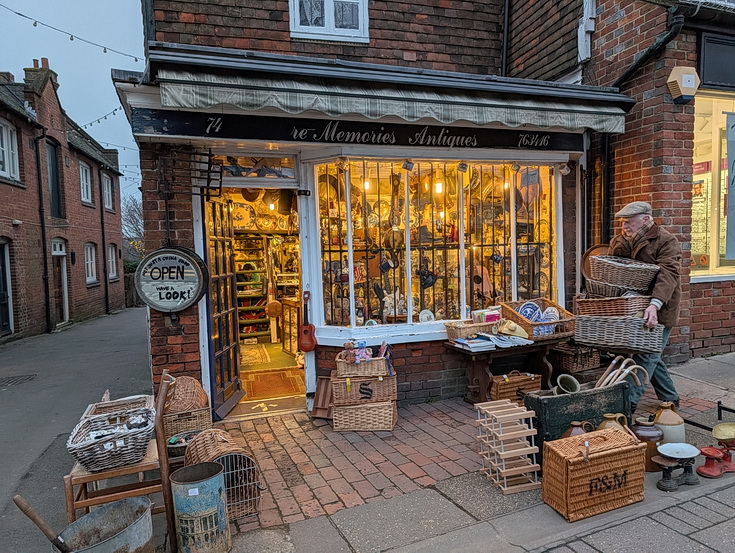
x=712, y=278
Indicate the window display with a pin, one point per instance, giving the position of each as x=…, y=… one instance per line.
x=418, y=241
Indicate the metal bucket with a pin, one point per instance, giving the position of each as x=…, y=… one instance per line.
x=123, y=525
x=199, y=508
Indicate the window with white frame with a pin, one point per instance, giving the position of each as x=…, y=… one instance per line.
x=111, y=261
x=338, y=20
x=107, y=189
x=8, y=151
x=90, y=262
x=85, y=181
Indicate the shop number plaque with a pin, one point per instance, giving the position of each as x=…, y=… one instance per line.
x=171, y=279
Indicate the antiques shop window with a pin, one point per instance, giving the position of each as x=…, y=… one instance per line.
x=395, y=245
x=710, y=205
x=337, y=20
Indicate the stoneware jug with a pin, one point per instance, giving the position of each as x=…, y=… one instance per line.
x=577, y=428
x=670, y=422
x=614, y=420
x=652, y=436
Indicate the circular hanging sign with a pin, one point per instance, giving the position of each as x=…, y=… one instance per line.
x=171, y=279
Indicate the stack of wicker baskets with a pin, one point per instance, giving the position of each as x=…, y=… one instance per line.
x=364, y=396
x=609, y=317
x=186, y=407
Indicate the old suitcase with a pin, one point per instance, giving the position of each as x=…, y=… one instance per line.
x=555, y=413
x=592, y=473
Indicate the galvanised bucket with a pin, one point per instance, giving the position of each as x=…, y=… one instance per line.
x=199, y=508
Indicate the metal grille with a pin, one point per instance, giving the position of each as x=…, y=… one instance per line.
x=242, y=485
x=193, y=172
x=12, y=380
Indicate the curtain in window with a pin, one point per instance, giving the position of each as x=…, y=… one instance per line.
x=346, y=15
x=311, y=13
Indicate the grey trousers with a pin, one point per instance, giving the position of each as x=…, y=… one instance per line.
x=657, y=372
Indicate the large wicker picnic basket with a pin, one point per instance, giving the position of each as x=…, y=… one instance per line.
x=574, y=358
x=186, y=408
x=363, y=389
x=618, y=334
x=621, y=306
x=592, y=473
x=377, y=366
x=514, y=386
x=367, y=417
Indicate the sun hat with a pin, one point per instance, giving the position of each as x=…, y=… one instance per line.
x=511, y=329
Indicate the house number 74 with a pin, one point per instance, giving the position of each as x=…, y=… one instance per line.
x=214, y=124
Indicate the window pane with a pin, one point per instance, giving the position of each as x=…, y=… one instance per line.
x=3, y=150
x=346, y=15
x=311, y=13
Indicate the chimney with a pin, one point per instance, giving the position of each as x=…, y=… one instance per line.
x=35, y=64
x=6, y=77
x=44, y=63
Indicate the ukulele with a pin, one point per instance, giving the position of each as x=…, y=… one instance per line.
x=307, y=340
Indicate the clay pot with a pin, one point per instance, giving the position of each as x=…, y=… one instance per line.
x=577, y=428
x=670, y=422
x=650, y=435
x=614, y=420
x=567, y=384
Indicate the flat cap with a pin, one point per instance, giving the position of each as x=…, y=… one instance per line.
x=635, y=208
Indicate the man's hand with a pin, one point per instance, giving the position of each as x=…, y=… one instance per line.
x=650, y=316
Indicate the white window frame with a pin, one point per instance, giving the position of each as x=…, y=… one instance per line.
x=111, y=261
x=9, y=150
x=107, y=191
x=85, y=182
x=330, y=32
x=90, y=262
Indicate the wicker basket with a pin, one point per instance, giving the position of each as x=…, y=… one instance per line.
x=377, y=366
x=463, y=329
x=242, y=476
x=627, y=334
x=514, y=386
x=185, y=394
x=178, y=423
x=599, y=289
x=581, y=481
x=622, y=271
x=118, y=405
x=622, y=306
x=180, y=443
x=574, y=359
x=367, y=417
x=541, y=330
x=116, y=449
x=359, y=390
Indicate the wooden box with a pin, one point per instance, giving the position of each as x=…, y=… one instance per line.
x=593, y=473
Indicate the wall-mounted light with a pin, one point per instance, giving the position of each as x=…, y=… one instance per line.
x=272, y=206
x=515, y=167
x=438, y=187
x=366, y=184
x=683, y=83
x=408, y=165
x=564, y=169
x=441, y=215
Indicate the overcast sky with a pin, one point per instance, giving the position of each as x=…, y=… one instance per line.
x=86, y=89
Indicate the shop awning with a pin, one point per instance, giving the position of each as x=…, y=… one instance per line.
x=266, y=92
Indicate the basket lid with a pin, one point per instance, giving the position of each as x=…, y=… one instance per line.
x=597, y=249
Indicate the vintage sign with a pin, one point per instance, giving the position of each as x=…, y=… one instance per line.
x=323, y=131
x=171, y=279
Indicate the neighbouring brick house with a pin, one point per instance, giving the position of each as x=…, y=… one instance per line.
x=371, y=154
x=60, y=236
x=672, y=155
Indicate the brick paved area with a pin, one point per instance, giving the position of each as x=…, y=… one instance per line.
x=688, y=406
x=310, y=470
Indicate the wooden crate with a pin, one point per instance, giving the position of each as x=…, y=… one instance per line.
x=363, y=389
x=367, y=417
x=593, y=473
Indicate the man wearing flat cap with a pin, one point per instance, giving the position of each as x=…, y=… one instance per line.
x=643, y=240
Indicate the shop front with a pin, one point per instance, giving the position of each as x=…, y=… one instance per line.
x=376, y=205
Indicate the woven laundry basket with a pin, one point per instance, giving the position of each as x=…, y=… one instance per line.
x=627, y=334
x=621, y=306
x=622, y=271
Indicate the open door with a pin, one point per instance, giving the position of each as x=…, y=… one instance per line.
x=223, y=330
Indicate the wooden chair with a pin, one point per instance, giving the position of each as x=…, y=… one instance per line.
x=82, y=488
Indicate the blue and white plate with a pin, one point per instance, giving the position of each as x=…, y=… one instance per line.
x=530, y=311
x=550, y=314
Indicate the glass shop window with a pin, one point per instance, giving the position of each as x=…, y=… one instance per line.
x=398, y=237
x=710, y=177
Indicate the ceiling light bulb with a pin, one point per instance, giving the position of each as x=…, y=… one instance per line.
x=367, y=185
x=506, y=185
x=441, y=215
x=271, y=206
x=439, y=187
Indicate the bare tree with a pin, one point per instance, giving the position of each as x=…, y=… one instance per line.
x=132, y=224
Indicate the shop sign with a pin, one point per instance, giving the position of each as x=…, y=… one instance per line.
x=171, y=279
x=322, y=131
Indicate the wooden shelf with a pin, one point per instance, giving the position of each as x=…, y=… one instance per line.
x=254, y=321
x=252, y=334
x=251, y=308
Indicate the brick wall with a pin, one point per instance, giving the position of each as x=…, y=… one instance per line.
x=652, y=160
x=543, y=38
x=427, y=34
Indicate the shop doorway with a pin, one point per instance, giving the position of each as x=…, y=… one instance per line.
x=268, y=276
x=60, y=289
x=5, y=298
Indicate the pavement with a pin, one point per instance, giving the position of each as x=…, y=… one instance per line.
x=417, y=488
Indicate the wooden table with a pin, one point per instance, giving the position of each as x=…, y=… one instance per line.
x=479, y=372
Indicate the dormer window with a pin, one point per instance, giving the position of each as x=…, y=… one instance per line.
x=333, y=20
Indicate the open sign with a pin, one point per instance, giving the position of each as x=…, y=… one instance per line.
x=171, y=279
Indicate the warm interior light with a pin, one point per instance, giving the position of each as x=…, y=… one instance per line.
x=367, y=185
x=271, y=206
x=506, y=185
x=439, y=187
x=441, y=215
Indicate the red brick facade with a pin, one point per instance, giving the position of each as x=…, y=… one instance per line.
x=81, y=223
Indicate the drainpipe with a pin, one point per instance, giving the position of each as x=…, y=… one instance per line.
x=506, y=36
x=105, y=270
x=674, y=28
x=42, y=216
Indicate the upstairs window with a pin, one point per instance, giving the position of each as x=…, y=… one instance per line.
x=85, y=180
x=8, y=151
x=338, y=20
x=90, y=262
x=111, y=261
x=107, y=188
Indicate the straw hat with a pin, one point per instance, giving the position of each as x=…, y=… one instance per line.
x=511, y=329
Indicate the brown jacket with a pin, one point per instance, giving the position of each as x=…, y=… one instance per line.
x=660, y=247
